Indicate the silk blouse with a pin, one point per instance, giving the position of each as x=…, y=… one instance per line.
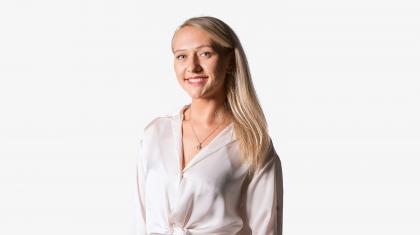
x=212, y=195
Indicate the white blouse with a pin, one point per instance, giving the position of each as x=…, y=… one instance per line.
x=212, y=195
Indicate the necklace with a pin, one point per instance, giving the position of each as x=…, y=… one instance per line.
x=199, y=146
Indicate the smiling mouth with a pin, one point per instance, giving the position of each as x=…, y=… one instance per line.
x=197, y=80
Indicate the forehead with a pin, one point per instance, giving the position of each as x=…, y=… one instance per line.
x=189, y=37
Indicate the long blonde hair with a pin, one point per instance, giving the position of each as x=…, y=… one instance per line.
x=250, y=125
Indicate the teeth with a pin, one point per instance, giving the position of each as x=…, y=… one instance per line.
x=196, y=79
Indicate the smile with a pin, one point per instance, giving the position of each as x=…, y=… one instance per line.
x=197, y=80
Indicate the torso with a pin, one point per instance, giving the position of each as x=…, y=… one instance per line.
x=189, y=141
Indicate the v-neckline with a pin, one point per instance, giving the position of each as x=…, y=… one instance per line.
x=203, y=149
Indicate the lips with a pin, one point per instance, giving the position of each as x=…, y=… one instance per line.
x=196, y=80
x=195, y=77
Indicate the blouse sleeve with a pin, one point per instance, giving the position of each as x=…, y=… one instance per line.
x=140, y=215
x=264, y=199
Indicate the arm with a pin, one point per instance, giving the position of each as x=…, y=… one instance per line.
x=264, y=200
x=140, y=213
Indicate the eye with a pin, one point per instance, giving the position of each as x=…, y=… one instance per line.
x=207, y=54
x=178, y=57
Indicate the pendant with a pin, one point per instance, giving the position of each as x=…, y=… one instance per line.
x=198, y=147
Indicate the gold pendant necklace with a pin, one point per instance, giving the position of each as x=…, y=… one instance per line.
x=199, y=146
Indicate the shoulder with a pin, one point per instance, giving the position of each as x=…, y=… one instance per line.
x=271, y=158
x=160, y=123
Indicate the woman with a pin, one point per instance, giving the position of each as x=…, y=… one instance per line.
x=210, y=167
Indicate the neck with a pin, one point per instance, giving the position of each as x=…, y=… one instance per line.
x=207, y=112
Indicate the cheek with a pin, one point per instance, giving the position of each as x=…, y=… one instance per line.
x=178, y=71
x=218, y=71
x=212, y=67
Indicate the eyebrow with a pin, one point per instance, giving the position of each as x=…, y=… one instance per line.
x=195, y=48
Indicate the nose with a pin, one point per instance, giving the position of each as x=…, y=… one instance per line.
x=193, y=65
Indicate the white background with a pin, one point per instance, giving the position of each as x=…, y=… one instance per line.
x=338, y=81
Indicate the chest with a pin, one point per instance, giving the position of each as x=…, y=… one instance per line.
x=194, y=139
x=216, y=164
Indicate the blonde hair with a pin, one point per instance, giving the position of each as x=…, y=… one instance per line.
x=250, y=125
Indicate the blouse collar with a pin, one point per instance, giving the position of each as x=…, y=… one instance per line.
x=223, y=138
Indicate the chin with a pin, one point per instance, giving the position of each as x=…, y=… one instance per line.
x=196, y=94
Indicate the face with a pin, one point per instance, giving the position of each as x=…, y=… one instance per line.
x=200, y=65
